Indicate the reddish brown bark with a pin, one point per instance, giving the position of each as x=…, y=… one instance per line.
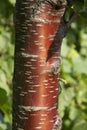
x=37, y=60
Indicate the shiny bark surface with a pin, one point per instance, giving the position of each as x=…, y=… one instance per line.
x=36, y=67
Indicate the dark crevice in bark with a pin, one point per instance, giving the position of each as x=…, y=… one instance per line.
x=56, y=44
x=60, y=34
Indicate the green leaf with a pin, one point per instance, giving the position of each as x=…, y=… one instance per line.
x=81, y=125
x=3, y=96
x=12, y=1
x=2, y=126
x=80, y=65
x=66, y=66
x=78, y=5
x=68, y=13
x=65, y=99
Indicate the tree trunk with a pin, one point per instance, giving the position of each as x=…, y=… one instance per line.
x=38, y=36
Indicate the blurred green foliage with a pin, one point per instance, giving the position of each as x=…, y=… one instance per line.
x=6, y=63
x=73, y=98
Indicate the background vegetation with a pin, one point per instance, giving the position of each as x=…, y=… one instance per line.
x=73, y=97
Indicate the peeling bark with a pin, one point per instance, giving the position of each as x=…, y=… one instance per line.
x=38, y=37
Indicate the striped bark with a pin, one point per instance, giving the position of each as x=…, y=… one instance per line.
x=38, y=37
